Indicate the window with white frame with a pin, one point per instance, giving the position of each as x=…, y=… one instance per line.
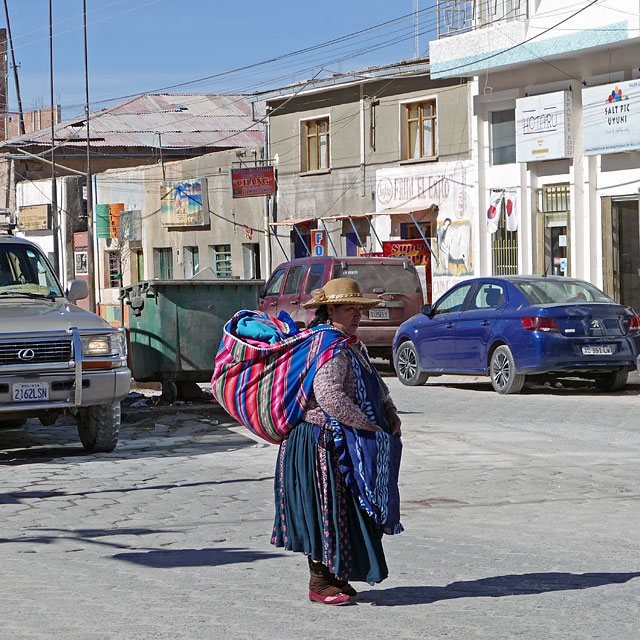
x=419, y=128
x=315, y=145
x=503, y=136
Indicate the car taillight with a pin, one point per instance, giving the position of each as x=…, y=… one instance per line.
x=634, y=325
x=539, y=323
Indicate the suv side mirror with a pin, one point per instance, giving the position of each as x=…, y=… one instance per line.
x=426, y=309
x=78, y=290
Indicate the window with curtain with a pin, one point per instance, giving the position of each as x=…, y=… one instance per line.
x=316, y=140
x=420, y=130
x=164, y=263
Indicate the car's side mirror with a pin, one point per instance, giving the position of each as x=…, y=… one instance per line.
x=426, y=309
x=262, y=294
x=78, y=290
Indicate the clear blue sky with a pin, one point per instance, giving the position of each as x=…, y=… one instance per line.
x=138, y=46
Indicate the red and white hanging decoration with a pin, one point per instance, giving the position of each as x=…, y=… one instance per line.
x=494, y=211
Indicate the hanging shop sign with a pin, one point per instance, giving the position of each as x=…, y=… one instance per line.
x=35, y=217
x=544, y=129
x=611, y=118
x=103, y=229
x=247, y=182
x=417, y=250
x=115, y=210
x=318, y=243
x=131, y=225
x=183, y=203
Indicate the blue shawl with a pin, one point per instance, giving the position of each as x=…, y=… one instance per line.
x=369, y=460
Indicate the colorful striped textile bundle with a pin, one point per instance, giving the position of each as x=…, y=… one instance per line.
x=265, y=385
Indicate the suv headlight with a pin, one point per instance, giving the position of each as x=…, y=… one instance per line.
x=109, y=344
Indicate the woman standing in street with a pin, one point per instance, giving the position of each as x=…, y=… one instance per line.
x=336, y=490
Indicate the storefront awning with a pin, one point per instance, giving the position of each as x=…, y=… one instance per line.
x=423, y=213
x=292, y=222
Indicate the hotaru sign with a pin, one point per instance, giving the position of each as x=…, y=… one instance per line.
x=544, y=127
x=252, y=181
x=611, y=118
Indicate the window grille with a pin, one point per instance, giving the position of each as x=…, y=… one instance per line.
x=504, y=248
x=222, y=253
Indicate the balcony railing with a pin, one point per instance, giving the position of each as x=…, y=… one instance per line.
x=458, y=16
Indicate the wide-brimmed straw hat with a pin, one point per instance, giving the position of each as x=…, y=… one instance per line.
x=339, y=291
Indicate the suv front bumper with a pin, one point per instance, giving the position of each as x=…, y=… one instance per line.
x=69, y=384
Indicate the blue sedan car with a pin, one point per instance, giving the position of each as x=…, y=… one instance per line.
x=512, y=327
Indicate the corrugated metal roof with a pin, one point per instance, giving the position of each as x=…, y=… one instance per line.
x=171, y=120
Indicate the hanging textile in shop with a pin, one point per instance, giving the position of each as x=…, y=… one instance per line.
x=511, y=209
x=494, y=211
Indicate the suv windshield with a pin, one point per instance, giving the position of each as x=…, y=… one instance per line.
x=553, y=291
x=25, y=272
x=380, y=278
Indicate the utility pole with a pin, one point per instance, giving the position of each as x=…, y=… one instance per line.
x=90, y=252
x=416, y=30
x=54, y=189
x=15, y=72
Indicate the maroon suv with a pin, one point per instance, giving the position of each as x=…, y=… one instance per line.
x=393, y=280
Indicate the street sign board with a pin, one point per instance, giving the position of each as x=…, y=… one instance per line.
x=318, y=243
x=247, y=182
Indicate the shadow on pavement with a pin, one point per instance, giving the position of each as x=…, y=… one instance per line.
x=18, y=497
x=495, y=587
x=34, y=443
x=166, y=559
x=90, y=536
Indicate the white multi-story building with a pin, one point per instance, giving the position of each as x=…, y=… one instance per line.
x=555, y=129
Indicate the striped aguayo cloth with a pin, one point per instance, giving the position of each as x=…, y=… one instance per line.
x=265, y=383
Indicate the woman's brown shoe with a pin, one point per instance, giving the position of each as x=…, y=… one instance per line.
x=323, y=587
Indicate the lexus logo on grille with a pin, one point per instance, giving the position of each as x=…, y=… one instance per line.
x=26, y=354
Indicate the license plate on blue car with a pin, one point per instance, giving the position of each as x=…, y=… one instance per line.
x=597, y=350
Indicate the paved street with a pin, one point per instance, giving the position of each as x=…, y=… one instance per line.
x=521, y=517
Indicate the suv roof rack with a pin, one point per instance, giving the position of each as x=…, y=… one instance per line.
x=7, y=224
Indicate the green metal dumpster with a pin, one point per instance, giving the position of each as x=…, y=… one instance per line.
x=175, y=328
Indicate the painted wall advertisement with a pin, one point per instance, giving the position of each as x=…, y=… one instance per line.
x=611, y=118
x=544, y=128
x=449, y=187
x=182, y=203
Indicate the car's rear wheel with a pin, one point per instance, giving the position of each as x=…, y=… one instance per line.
x=504, y=377
x=613, y=381
x=408, y=367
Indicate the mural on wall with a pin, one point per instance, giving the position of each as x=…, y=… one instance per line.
x=446, y=185
x=182, y=203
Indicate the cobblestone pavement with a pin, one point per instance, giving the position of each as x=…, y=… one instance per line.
x=521, y=518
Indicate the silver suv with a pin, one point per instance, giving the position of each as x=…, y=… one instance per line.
x=55, y=357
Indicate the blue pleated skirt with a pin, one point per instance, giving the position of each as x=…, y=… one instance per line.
x=316, y=512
